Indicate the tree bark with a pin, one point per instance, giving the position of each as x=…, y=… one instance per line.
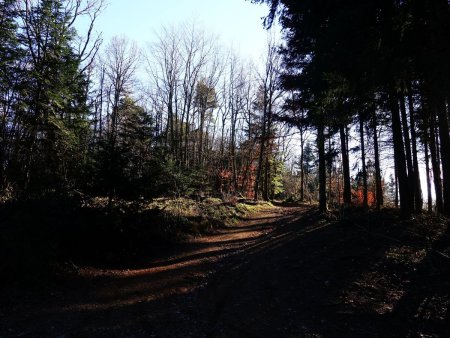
x=260, y=159
x=445, y=153
x=302, y=172
x=418, y=188
x=407, y=140
x=378, y=186
x=427, y=168
x=396, y=189
x=363, y=160
x=266, y=192
x=322, y=168
x=330, y=168
x=399, y=158
x=436, y=167
x=347, y=194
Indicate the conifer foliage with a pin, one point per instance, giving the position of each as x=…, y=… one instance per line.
x=369, y=61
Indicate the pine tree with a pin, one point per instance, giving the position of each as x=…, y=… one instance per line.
x=10, y=77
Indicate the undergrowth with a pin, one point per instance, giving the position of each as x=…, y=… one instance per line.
x=38, y=236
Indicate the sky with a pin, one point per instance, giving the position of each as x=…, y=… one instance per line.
x=237, y=23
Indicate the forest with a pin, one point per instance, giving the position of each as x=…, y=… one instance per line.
x=182, y=183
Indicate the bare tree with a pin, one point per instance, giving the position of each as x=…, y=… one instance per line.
x=120, y=60
x=270, y=94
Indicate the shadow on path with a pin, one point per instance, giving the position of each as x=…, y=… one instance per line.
x=289, y=273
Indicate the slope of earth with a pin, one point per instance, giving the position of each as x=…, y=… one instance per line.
x=286, y=272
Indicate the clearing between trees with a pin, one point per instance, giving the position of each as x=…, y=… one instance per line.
x=285, y=271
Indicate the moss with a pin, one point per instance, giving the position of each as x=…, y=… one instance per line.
x=249, y=208
x=188, y=216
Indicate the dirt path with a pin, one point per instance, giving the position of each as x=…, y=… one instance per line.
x=140, y=302
x=283, y=273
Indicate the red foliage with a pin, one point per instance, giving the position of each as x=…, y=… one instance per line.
x=245, y=180
x=360, y=197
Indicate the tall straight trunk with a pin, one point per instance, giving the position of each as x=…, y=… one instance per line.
x=347, y=194
x=102, y=79
x=201, y=141
x=233, y=149
x=169, y=127
x=3, y=145
x=187, y=133
x=108, y=113
x=302, y=171
x=222, y=144
x=322, y=168
x=363, y=160
x=436, y=167
x=378, y=186
x=266, y=191
x=438, y=144
x=183, y=132
x=260, y=159
x=112, y=139
x=176, y=132
x=427, y=168
x=400, y=159
x=396, y=189
x=338, y=182
x=330, y=166
x=407, y=139
x=417, y=186
x=96, y=114
x=269, y=147
x=448, y=106
x=445, y=153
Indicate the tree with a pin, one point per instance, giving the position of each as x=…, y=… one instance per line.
x=54, y=111
x=134, y=149
x=10, y=58
x=380, y=49
x=269, y=94
x=204, y=101
x=121, y=60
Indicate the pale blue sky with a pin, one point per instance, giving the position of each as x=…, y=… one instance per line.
x=236, y=22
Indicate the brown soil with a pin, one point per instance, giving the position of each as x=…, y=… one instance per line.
x=282, y=273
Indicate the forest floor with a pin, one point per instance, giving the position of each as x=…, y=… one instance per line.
x=283, y=272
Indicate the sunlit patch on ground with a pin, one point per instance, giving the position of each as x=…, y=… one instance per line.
x=406, y=255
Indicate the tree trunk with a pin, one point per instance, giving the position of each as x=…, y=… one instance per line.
x=200, y=145
x=427, y=168
x=329, y=165
x=347, y=194
x=363, y=160
x=322, y=168
x=260, y=159
x=445, y=154
x=407, y=139
x=269, y=146
x=436, y=167
x=399, y=158
x=102, y=79
x=302, y=172
x=378, y=186
x=266, y=192
x=418, y=188
x=396, y=189
x=233, y=150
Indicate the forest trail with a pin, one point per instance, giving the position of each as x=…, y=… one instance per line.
x=281, y=273
x=151, y=300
